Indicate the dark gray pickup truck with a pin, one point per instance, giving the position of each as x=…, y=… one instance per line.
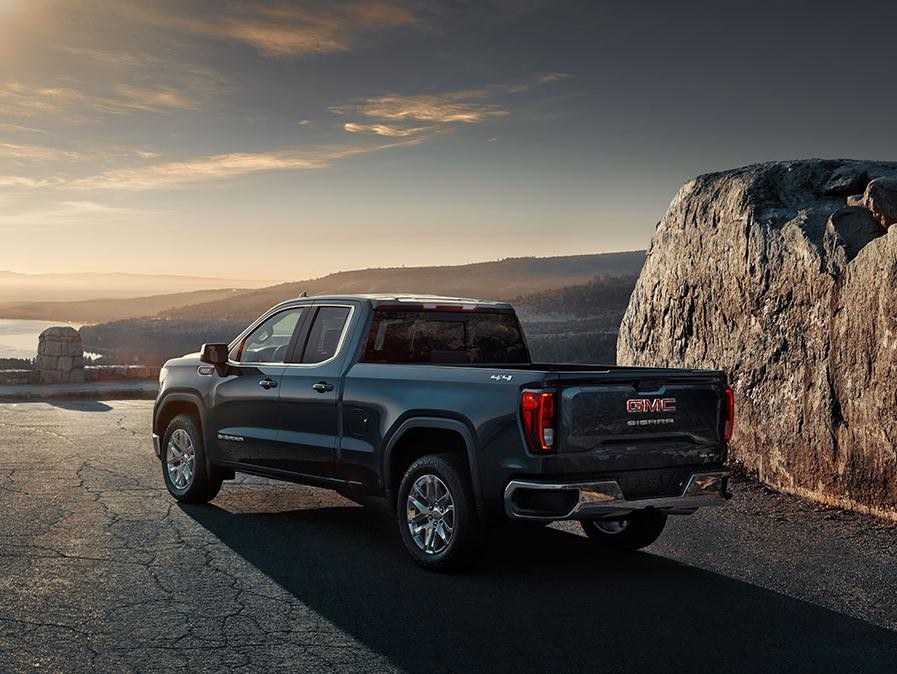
x=433, y=402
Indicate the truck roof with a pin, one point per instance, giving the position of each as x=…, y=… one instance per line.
x=377, y=299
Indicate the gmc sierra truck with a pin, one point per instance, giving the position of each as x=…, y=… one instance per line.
x=434, y=404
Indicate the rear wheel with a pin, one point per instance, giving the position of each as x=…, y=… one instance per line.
x=437, y=513
x=184, y=462
x=633, y=532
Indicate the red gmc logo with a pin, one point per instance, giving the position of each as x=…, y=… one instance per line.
x=635, y=405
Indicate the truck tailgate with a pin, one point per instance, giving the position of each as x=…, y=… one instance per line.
x=641, y=420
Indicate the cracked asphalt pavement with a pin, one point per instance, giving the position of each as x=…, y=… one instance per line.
x=100, y=570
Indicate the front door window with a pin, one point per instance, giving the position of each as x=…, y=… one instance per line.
x=270, y=341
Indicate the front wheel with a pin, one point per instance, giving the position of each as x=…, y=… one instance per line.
x=184, y=462
x=437, y=513
x=633, y=532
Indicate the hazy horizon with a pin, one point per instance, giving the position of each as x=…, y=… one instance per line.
x=289, y=140
x=256, y=281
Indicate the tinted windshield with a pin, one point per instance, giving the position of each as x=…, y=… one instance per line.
x=445, y=337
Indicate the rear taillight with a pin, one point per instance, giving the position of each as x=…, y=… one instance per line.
x=728, y=413
x=538, y=412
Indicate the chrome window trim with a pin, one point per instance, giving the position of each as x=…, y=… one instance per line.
x=342, y=337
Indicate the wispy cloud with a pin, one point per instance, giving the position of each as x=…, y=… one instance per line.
x=388, y=130
x=27, y=182
x=20, y=100
x=156, y=99
x=286, y=30
x=223, y=166
x=459, y=107
x=4, y=126
x=24, y=154
x=67, y=214
x=36, y=153
x=468, y=106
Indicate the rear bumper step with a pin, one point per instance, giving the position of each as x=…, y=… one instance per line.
x=530, y=500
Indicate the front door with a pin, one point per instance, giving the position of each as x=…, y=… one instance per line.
x=243, y=406
x=310, y=393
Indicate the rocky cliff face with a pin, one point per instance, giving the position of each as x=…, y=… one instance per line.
x=785, y=275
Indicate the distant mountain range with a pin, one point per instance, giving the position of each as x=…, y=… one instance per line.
x=570, y=307
x=103, y=310
x=18, y=288
x=505, y=279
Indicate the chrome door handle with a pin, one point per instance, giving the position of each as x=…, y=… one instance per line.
x=322, y=387
x=268, y=383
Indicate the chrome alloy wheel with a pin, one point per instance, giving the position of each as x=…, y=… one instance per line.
x=611, y=527
x=430, y=513
x=180, y=460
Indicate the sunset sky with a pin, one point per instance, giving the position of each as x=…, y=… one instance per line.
x=287, y=140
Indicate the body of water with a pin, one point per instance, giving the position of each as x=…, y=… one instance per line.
x=18, y=339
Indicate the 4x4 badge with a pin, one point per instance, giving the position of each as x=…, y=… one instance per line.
x=502, y=377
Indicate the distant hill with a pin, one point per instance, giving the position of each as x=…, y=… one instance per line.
x=503, y=279
x=19, y=288
x=576, y=324
x=102, y=310
x=573, y=324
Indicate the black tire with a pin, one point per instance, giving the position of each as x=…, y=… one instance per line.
x=202, y=487
x=641, y=529
x=465, y=540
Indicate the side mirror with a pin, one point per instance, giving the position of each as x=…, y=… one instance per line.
x=214, y=354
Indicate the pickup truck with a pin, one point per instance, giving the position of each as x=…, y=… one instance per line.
x=434, y=404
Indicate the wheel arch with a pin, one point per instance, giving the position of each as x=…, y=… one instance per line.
x=449, y=435
x=182, y=402
x=177, y=403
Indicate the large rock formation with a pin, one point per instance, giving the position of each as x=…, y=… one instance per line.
x=785, y=275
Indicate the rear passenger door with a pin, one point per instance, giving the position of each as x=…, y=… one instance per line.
x=310, y=393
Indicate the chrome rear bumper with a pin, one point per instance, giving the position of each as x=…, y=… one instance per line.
x=596, y=500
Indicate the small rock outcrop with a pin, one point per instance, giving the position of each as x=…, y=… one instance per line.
x=785, y=275
x=60, y=357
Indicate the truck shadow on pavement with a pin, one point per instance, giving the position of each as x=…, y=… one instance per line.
x=71, y=405
x=544, y=600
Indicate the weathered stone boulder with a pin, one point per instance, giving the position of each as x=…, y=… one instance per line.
x=60, y=357
x=764, y=272
x=846, y=180
x=881, y=200
x=853, y=227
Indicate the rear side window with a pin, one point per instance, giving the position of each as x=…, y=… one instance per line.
x=445, y=337
x=325, y=334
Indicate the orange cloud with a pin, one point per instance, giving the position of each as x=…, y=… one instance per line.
x=36, y=153
x=223, y=166
x=470, y=106
x=20, y=100
x=137, y=98
x=285, y=30
x=459, y=106
x=385, y=129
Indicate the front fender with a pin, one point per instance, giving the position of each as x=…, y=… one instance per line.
x=169, y=398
